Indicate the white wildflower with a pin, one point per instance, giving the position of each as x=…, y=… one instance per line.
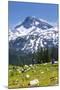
x=30, y=65
x=26, y=66
x=27, y=76
x=19, y=70
x=42, y=72
x=45, y=63
x=34, y=82
x=55, y=62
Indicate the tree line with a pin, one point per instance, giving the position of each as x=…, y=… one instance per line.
x=43, y=55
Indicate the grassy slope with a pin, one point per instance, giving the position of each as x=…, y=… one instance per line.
x=46, y=74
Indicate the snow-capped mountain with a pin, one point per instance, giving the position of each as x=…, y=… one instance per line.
x=31, y=34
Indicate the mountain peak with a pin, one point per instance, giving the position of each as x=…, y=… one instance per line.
x=31, y=33
x=28, y=22
x=31, y=21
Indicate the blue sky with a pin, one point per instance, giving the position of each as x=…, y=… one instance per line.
x=17, y=11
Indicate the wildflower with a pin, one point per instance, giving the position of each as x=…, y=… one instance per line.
x=34, y=82
x=45, y=63
x=56, y=62
x=42, y=72
x=30, y=65
x=26, y=66
x=19, y=70
x=27, y=76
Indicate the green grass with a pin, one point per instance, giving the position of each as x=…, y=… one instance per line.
x=49, y=77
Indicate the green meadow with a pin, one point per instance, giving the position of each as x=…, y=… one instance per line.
x=20, y=76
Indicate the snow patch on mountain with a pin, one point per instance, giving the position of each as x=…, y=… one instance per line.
x=33, y=33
